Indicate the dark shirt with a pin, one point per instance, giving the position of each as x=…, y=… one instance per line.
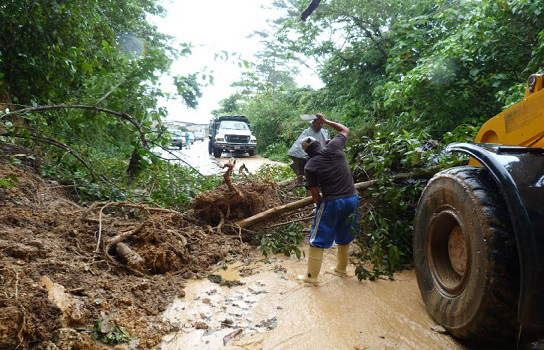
x=328, y=169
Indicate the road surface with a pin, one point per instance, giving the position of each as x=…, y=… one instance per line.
x=197, y=156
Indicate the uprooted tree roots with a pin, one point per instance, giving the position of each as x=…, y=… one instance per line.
x=169, y=241
x=230, y=202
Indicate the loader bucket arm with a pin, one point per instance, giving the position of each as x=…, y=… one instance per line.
x=518, y=172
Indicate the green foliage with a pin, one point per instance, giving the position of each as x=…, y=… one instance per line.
x=275, y=173
x=174, y=185
x=110, y=335
x=160, y=182
x=462, y=133
x=97, y=53
x=284, y=239
x=277, y=151
x=388, y=206
x=8, y=182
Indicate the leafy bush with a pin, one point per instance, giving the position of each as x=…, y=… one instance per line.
x=388, y=207
x=284, y=239
x=277, y=151
x=275, y=172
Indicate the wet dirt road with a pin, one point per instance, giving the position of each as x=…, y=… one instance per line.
x=272, y=310
x=197, y=156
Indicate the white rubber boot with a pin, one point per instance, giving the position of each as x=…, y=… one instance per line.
x=315, y=259
x=342, y=260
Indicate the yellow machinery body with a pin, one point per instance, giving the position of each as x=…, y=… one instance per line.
x=520, y=125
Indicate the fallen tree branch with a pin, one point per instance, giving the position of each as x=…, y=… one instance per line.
x=55, y=143
x=122, y=115
x=100, y=228
x=360, y=186
x=130, y=257
x=113, y=243
x=262, y=216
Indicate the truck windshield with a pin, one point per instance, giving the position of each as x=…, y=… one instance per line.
x=233, y=125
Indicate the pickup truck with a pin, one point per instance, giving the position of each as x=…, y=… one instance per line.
x=177, y=138
x=231, y=133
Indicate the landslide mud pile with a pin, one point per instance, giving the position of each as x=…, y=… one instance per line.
x=68, y=272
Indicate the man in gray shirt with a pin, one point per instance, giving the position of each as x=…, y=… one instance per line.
x=336, y=214
x=297, y=154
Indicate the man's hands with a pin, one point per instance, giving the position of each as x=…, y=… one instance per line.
x=336, y=126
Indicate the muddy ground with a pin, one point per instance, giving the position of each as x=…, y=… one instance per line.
x=70, y=273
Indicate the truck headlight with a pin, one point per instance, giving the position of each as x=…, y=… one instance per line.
x=219, y=138
x=253, y=139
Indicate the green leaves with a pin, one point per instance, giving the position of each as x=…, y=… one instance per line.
x=8, y=182
x=109, y=334
x=284, y=239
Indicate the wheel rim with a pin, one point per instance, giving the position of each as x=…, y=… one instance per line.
x=448, y=252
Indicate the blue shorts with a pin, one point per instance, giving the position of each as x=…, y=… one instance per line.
x=335, y=220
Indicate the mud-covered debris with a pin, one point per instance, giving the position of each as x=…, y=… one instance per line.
x=439, y=329
x=223, y=282
x=257, y=292
x=227, y=323
x=201, y=325
x=239, y=201
x=229, y=336
x=44, y=232
x=269, y=324
x=278, y=268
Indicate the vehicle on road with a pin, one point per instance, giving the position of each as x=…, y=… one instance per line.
x=199, y=135
x=177, y=138
x=231, y=133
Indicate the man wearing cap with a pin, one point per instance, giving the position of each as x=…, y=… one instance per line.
x=336, y=214
x=297, y=154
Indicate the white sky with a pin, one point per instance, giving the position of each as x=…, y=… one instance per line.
x=213, y=26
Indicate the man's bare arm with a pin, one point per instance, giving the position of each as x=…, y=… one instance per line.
x=315, y=194
x=342, y=129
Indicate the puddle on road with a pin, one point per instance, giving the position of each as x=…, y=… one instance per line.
x=271, y=310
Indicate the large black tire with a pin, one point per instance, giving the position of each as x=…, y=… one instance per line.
x=251, y=152
x=465, y=256
x=217, y=152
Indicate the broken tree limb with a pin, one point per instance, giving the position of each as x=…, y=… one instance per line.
x=130, y=257
x=267, y=214
x=115, y=241
x=360, y=186
x=122, y=115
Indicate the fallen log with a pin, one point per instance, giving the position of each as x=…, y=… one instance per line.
x=130, y=257
x=360, y=186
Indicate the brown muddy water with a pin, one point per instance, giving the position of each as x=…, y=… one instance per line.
x=270, y=309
